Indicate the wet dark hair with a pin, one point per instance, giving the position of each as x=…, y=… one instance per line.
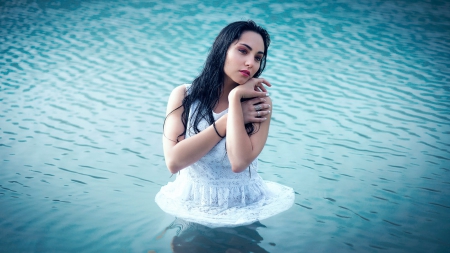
x=208, y=86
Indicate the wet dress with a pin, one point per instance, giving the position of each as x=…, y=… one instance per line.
x=208, y=192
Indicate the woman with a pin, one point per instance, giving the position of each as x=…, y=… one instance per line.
x=214, y=131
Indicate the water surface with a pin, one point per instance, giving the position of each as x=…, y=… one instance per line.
x=360, y=124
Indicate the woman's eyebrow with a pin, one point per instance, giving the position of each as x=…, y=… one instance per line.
x=250, y=48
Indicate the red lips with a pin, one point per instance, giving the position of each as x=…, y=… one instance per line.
x=245, y=72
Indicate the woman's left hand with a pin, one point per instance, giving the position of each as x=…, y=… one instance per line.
x=255, y=110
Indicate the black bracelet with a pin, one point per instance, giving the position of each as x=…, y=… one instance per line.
x=217, y=132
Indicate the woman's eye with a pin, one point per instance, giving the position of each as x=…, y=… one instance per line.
x=242, y=51
x=258, y=58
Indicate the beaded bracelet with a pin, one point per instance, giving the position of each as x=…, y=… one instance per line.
x=217, y=132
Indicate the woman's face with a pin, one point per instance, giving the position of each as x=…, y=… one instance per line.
x=244, y=58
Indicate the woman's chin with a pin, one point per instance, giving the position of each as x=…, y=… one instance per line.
x=239, y=82
x=242, y=81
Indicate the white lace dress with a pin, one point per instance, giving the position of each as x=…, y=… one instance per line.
x=209, y=193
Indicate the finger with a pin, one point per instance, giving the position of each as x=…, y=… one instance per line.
x=255, y=94
x=263, y=81
x=259, y=120
x=259, y=94
x=263, y=114
x=259, y=100
x=251, y=103
x=264, y=107
x=262, y=88
x=259, y=87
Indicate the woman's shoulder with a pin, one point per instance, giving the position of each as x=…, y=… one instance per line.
x=180, y=91
x=177, y=95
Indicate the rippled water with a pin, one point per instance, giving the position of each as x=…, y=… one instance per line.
x=360, y=126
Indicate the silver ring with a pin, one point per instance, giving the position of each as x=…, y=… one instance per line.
x=258, y=113
x=258, y=107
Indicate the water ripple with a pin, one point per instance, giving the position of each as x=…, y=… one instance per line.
x=360, y=118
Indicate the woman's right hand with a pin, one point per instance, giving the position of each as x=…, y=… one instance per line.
x=255, y=110
x=254, y=87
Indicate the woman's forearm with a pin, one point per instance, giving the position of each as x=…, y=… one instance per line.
x=239, y=145
x=190, y=150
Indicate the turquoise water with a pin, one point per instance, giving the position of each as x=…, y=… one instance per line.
x=360, y=130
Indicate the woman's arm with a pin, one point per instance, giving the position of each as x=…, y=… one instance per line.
x=181, y=154
x=242, y=149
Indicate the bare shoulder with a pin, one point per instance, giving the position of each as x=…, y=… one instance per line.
x=179, y=91
x=176, y=98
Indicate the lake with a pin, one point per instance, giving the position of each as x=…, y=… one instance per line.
x=360, y=126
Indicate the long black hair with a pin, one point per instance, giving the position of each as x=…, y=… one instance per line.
x=208, y=86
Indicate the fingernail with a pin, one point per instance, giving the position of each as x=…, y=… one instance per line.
x=267, y=94
x=269, y=106
x=269, y=111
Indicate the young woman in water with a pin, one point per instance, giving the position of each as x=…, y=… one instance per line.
x=214, y=131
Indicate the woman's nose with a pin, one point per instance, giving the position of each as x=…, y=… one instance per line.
x=249, y=61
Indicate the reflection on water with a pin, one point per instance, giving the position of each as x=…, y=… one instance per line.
x=193, y=237
x=360, y=130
